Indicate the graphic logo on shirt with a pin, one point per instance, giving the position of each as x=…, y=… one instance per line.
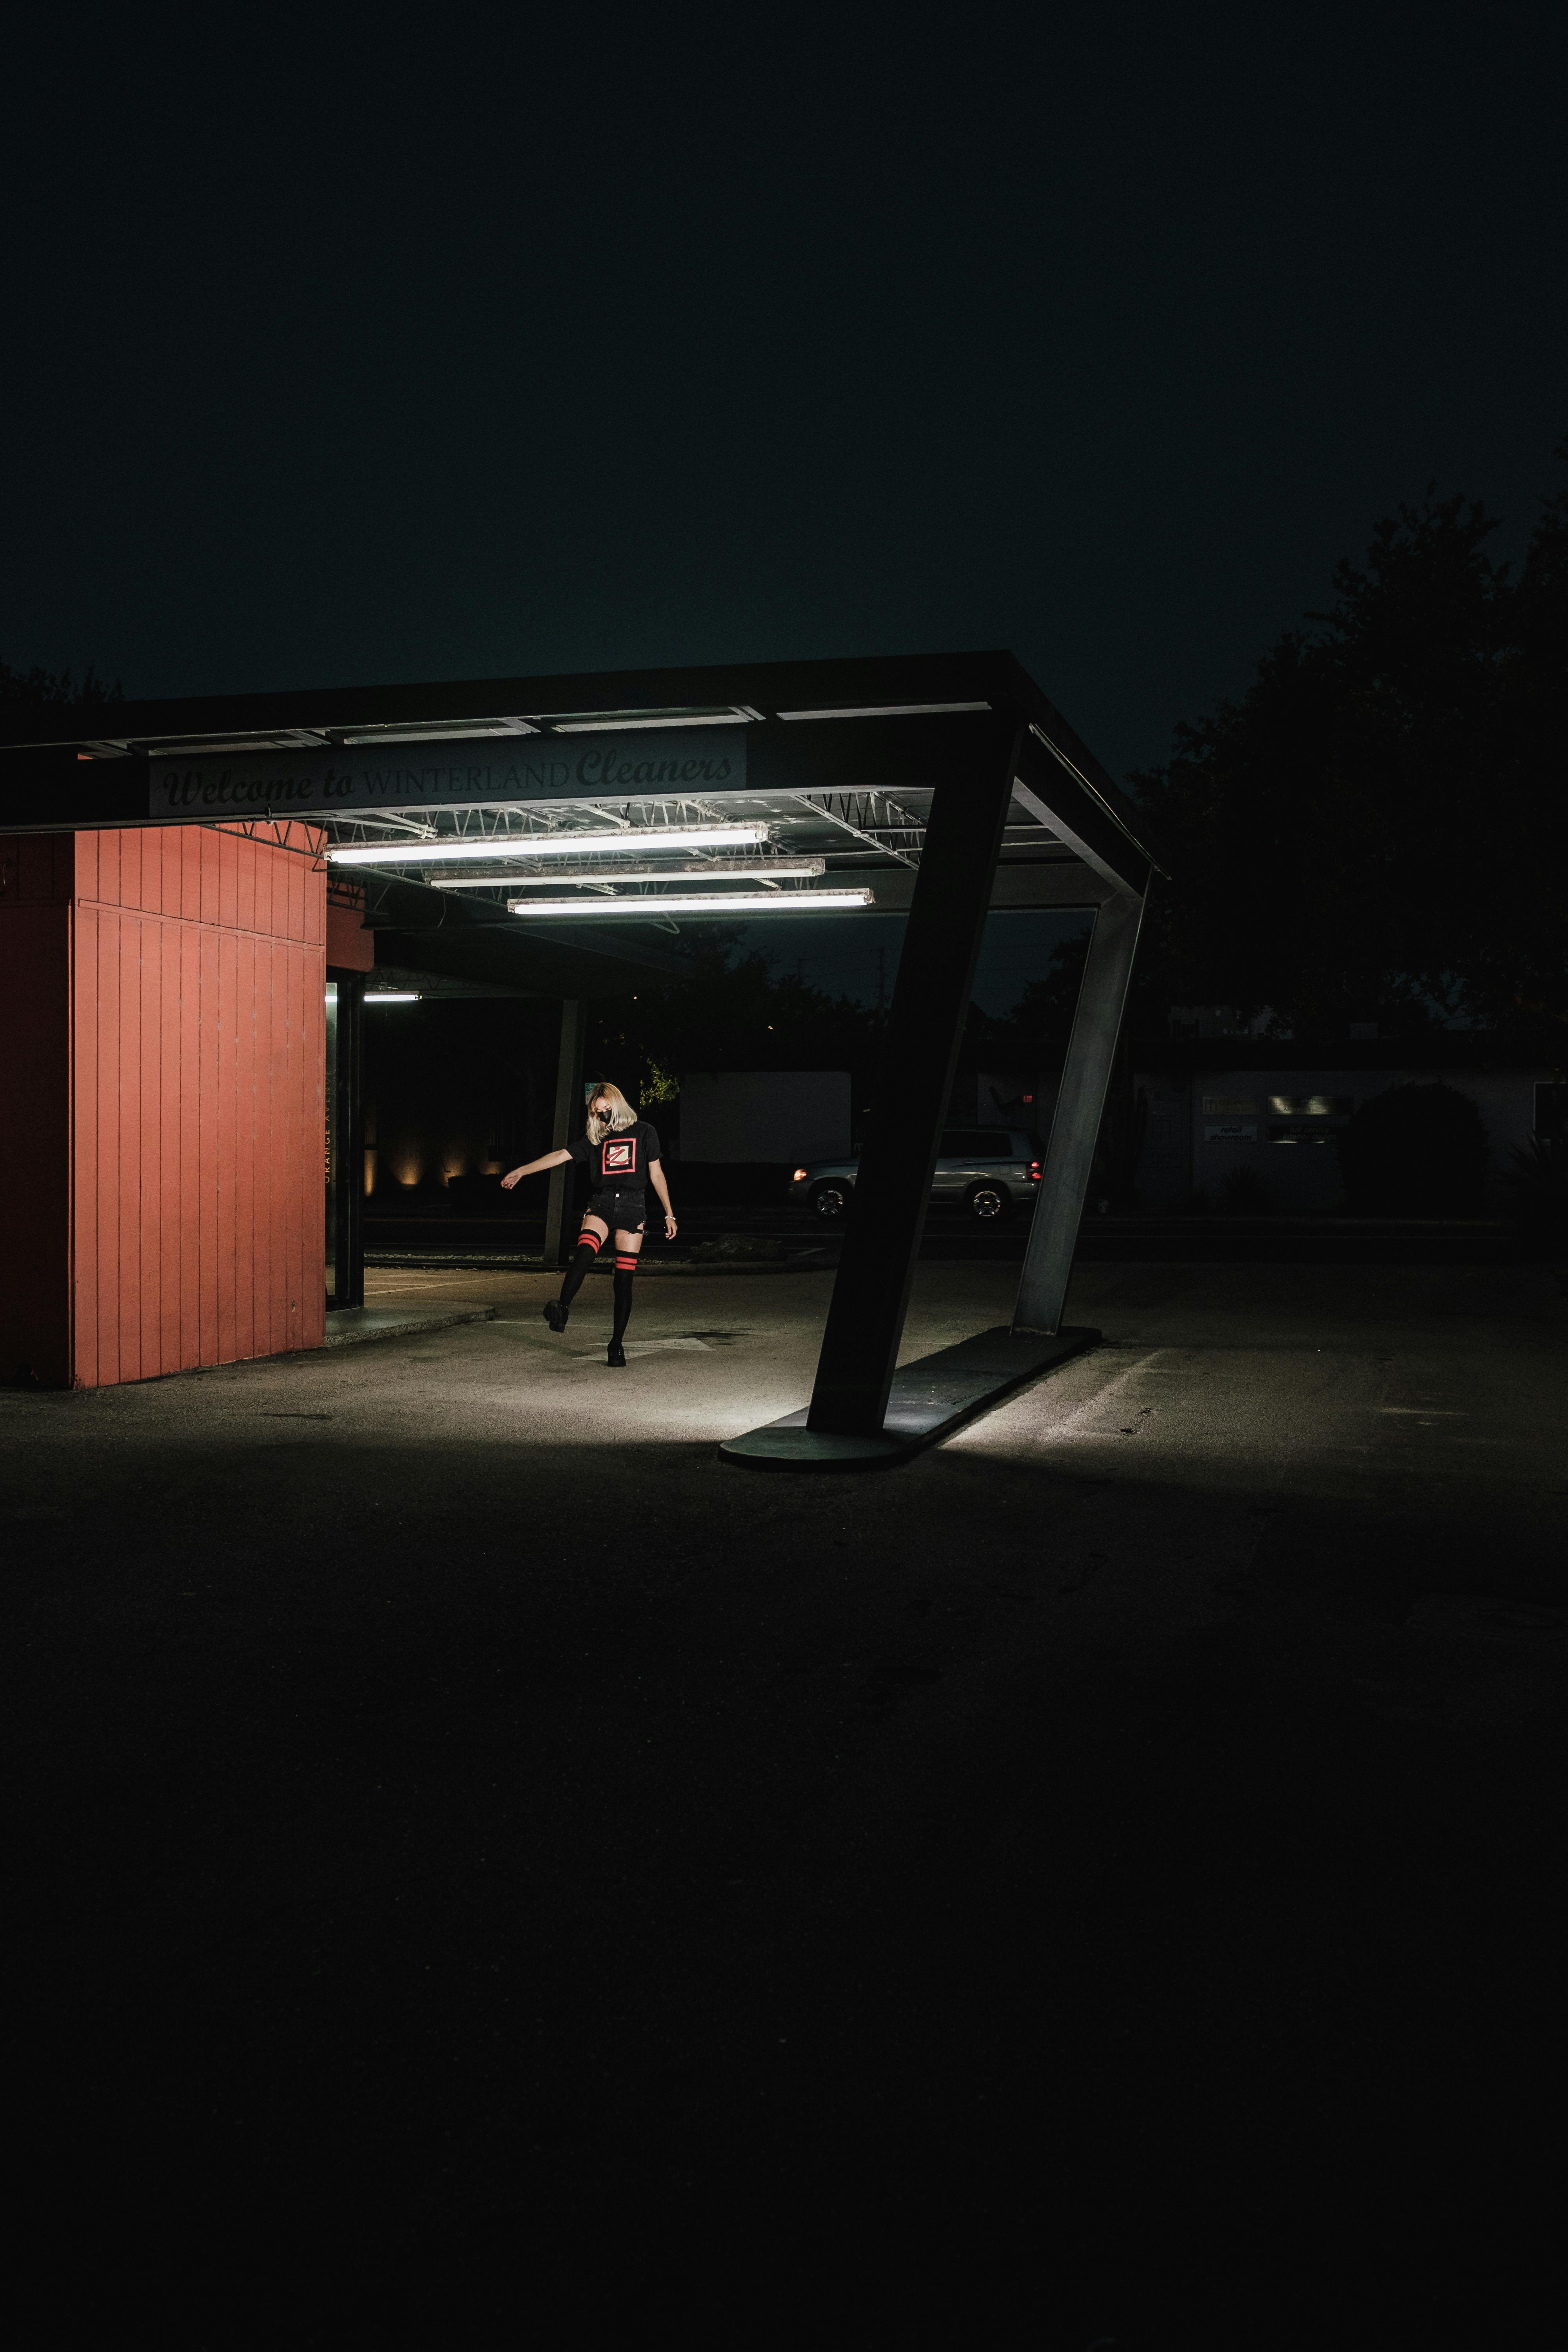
x=620, y=1157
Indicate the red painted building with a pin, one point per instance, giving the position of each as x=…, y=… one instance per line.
x=161, y=1069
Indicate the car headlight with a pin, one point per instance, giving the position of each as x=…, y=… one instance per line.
x=799, y=1176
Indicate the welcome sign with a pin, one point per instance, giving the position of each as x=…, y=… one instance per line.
x=450, y=774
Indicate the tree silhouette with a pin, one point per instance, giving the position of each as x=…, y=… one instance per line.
x=728, y=1010
x=1377, y=828
x=54, y=693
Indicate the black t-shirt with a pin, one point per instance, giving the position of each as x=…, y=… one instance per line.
x=619, y=1163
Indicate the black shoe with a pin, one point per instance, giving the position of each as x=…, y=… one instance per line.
x=555, y=1315
x=617, y=1353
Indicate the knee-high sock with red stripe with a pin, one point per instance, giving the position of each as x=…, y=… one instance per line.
x=625, y=1266
x=583, y=1257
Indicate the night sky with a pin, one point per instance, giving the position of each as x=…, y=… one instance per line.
x=358, y=345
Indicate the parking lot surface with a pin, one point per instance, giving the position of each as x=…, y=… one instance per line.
x=481, y=1856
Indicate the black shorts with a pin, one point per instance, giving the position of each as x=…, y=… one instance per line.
x=625, y=1210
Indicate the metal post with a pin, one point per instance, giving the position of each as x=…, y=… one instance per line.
x=346, y=1226
x=350, y=1097
x=1075, y=1130
x=925, y=1030
x=568, y=1119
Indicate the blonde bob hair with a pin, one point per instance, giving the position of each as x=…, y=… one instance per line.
x=622, y=1115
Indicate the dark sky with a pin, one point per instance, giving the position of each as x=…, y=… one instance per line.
x=356, y=345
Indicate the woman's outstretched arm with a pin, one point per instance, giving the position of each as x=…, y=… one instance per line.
x=656, y=1178
x=532, y=1167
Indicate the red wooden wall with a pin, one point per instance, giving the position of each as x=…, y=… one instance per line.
x=350, y=946
x=197, y=1109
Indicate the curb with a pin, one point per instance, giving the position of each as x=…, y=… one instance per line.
x=393, y=1323
x=423, y=1264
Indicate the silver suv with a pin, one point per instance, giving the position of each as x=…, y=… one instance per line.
x=989, y=1171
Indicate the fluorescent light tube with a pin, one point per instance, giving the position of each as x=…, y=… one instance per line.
x=391, y=996
x=752, y=902
x=637, y=842
x=887, y=710
x=210, y=747
x=778, y=869
x=608, y=726
x=432, y=731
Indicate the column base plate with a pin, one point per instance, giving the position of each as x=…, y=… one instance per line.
x=930, y=1400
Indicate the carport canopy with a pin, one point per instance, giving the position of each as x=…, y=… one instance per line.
x=515, y=828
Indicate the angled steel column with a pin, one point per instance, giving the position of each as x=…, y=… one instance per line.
x=568, y=1119
x=1075, y=1130
x=925, y=1029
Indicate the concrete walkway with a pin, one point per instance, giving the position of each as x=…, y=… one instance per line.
x=487, y=1869
x=390, y=1320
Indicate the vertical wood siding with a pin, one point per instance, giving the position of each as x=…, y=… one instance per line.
x=198, y=1068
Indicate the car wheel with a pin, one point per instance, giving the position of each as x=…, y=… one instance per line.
x=829, y=1202
x=987, y=1204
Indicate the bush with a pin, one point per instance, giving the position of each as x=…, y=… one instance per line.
x=1415, y=1151
x=1243, y=1193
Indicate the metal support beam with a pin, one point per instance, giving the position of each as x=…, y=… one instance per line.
x=925, y=1030
x=345, y=1242
x=1075, y=1130
x=559, y=1229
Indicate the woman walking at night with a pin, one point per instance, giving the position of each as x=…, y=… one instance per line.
x=622, y=1151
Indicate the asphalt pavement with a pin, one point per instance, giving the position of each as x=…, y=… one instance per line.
x=484, y=1869
x=950, y=1234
